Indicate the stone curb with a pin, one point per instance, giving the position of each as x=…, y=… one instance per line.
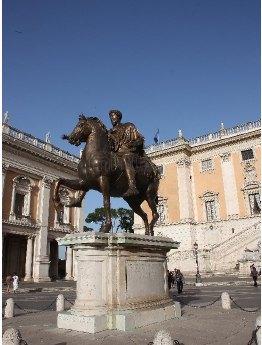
x=64, y=289
x=222, y=283
x=27, y=290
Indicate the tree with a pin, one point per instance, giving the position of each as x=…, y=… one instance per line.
x=126, y=219
x=122, y=216
x=99, y=217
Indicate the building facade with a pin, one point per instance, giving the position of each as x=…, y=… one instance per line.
x=210, y=195
x=30, y=223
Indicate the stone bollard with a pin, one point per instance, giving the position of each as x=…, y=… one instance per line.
x=177, y=307
x=60, y=303
x=9, y=308
x=225, y=300
x=13, y=337
x=258, y=334
x=162, y=338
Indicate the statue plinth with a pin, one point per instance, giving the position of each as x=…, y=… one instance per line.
x=122, y=282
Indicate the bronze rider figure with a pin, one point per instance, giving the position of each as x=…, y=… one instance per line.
x=126, y=140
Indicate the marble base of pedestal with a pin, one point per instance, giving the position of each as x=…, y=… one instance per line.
x=122, y=282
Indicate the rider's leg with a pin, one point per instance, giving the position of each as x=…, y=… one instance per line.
x=130, y=173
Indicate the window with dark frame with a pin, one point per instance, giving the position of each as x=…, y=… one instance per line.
x=254, y=203
x=161, y=212
x=207, y=164
x=160, y=169
x=247, y=154
x=19, y=204
x=210, y=210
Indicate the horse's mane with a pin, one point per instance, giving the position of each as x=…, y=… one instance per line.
x=99, y=122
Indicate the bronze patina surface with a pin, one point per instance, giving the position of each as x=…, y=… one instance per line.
x=114, y=163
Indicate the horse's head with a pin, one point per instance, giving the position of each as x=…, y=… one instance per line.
x=84, y=127
x=79, y=133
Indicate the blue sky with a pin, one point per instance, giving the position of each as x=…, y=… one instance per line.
x=170, y=64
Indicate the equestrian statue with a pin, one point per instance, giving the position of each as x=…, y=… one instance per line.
x=114, y=163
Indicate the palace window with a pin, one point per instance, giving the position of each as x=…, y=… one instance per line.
x=210, y=204
x=19, y=205
x=210, y=210
x=207, y=164
x=160, y=170
x=247, y=154
x=254, y=203
x=21, y=198
x=161, y=209
x=252, y=198
x=63, y=216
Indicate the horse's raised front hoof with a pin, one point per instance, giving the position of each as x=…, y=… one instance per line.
x=105, y=228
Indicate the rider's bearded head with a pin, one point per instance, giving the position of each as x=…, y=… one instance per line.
x=115, y=116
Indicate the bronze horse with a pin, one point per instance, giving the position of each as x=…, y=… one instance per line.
x=102, y=170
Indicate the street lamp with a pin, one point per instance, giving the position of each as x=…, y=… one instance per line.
x=198, y=276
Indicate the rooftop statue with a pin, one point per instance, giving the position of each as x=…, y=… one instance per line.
x=114, y=163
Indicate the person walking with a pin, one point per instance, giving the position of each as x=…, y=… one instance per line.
x=169, y=279
x=15, y=282
x=8, y=281
x=179, y=281
x=254, y=274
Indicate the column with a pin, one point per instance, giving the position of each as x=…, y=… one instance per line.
x=29, y=256
x=69, y=263
x=74, y=266
x=56, y=261
x=41, y=272
x=230, y=188
x=184, y=190
x=12, y=214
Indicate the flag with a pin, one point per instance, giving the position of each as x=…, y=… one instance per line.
x=156, y=137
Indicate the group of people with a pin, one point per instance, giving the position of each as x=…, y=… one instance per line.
x=12, y=280
x=176, y=278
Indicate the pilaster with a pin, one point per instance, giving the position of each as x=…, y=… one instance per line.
x=229, y=183
x=4, y=169
x=184, y=190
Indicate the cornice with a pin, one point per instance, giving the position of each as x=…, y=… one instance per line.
x=171, y=151
x=35, y=158
x=192, y=150
x=17, y=146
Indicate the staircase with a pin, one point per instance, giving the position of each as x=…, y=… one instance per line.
x=228, y=252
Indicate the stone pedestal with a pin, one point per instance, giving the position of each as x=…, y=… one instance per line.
x=122, y=282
